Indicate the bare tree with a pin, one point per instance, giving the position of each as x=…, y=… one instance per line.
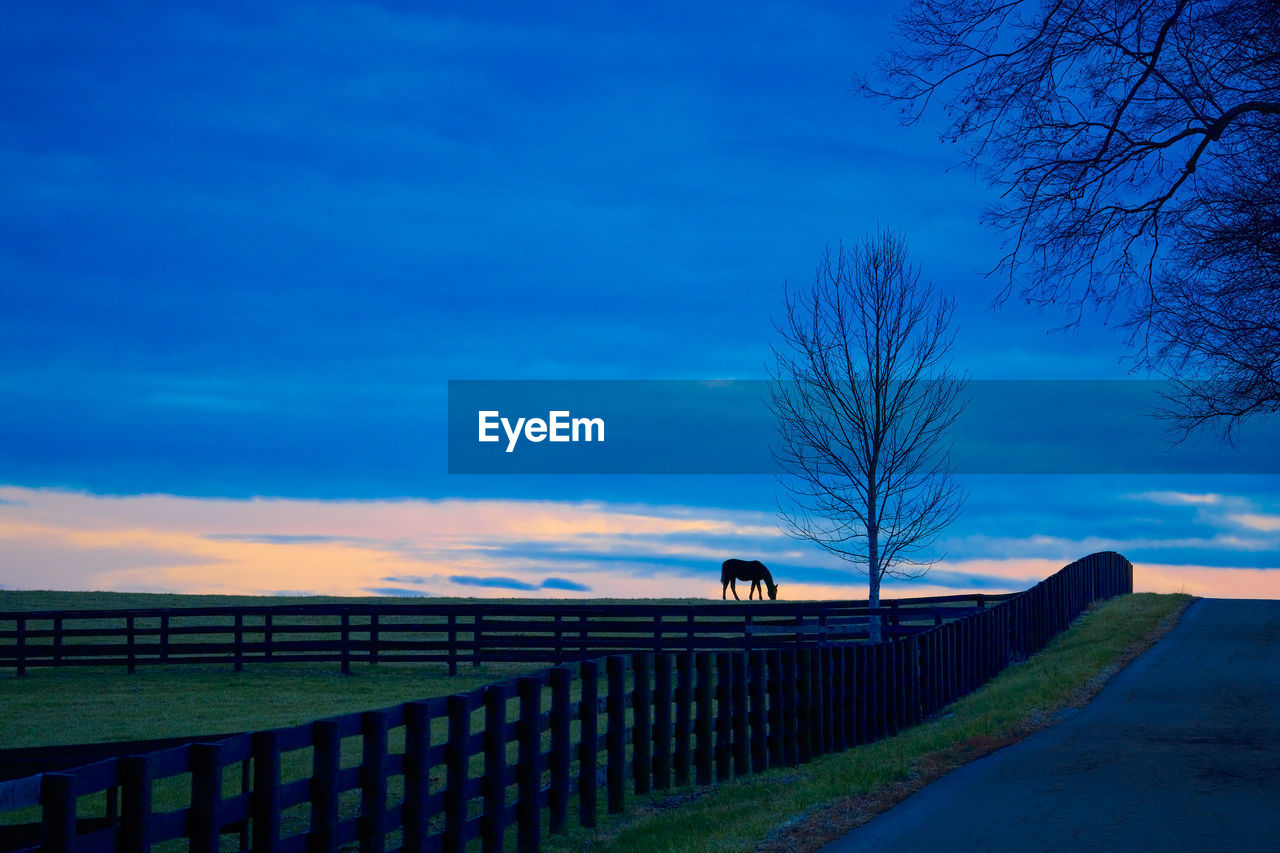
x=1134, y=145
x=863, y=397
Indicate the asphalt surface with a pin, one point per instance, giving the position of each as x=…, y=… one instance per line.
x=1180, y=751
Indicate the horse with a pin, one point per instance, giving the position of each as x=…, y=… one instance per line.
x=746, y=570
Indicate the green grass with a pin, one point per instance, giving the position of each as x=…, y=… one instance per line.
x=740, y=815
x=50, y=707
x=56, y=706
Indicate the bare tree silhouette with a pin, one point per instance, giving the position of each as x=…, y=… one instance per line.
x=1134, y=144
x=863, y=398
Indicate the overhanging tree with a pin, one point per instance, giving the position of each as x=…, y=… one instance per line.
x=863, y=397
x=1134, y=144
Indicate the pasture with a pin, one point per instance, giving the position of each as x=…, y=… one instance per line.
x=56, y=706
x=925, y=670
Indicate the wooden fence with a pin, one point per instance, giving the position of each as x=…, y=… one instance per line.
x=505, y=763
x=451, y=634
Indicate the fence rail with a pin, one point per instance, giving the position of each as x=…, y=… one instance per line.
x=525, y=756
x=451, y=634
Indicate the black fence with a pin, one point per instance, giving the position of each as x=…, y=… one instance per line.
x=513, y=760
x=451, y=634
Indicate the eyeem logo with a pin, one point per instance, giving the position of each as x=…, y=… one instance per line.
x=558, y=426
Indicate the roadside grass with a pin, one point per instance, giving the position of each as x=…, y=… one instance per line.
x=801, y=808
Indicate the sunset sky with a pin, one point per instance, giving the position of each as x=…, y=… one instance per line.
x=245, y=246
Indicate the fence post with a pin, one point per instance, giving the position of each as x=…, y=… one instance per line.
x=724, y=713
x=267, y=638
x=773, y=663
x=453, y=644
x=616, y=736
x=703, y=724
x=875, y=692
x=130, y=642
x=790, y=718
x=477, y=638
x=561, y=754
x=373, y=782
x=897, y=648
x=326, y=746
x=494, y=784
x=756, y=700
x=57, y=640
x=559, y=642
x=373, y=637
x=835, y=698
x=642, y=727
x=238, y=642
x=20, y=627
x=135, y=810
x=206, y=797
x=58, y=800
x=417, y=775
x=827, y=697
x=457, y=773
x=738, y=689
x=588, y=711
x=684, y=716
x=345, y=640
x=264, y=803
x=662, y=727
x=850, y=701
x=817, y=703
x=804, y=707
x=529, y=765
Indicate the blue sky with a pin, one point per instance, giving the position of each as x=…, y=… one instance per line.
x=243, y=248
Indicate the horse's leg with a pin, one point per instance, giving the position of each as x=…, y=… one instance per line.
x=724, y=590
x=733, y=585
x=755, y=587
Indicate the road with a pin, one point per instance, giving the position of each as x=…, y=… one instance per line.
x=1180, y=751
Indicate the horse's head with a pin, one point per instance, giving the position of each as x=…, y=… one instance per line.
x=773, y=592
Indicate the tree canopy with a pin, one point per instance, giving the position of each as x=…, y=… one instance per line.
x=1136, y=147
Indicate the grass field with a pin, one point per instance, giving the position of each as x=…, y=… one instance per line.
x=800, y=808
x=56, y=706
x=68, y=705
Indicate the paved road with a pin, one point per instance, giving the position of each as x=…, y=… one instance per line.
x=1180, y=751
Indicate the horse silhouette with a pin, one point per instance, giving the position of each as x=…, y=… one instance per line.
x=746, y=570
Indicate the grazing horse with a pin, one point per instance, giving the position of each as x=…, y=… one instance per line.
x=746, y=570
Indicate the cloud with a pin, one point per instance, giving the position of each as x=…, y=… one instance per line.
x=561, y=583
x=399, y=592
x=1178, y=498
x=491, y=582
x=276, y=538
x=1257, y=521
